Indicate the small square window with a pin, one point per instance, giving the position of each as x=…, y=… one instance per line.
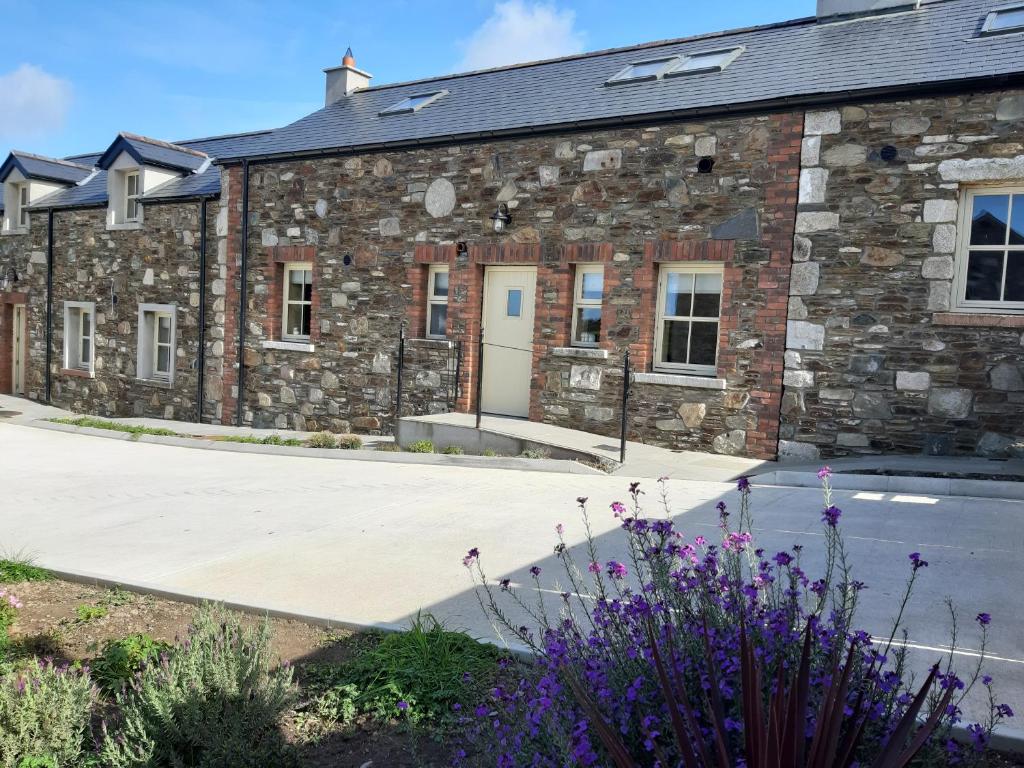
x=1008, y=19
x=643, y=70
x=514, y=303
x=413, y=103
x=707, y=61
x=686, y=335
x=437, y=301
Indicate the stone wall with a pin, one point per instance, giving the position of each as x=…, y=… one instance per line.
x=876, y=361
x=619, y=193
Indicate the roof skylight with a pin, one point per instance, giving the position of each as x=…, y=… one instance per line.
x=705, y=61
x=413, y=103
x=643, y=70
x=1007, y=19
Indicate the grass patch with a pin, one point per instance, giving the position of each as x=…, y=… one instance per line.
x=114, y=426
x=17, y=569
x=85, y=613
x=453, y=450
x=268, y=440
x=323, y=440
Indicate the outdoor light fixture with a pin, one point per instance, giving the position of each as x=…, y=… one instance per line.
x=10, y=277
x=501, y=218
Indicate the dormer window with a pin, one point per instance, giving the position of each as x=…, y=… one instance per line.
x=131, y=196
x=27, y=180
x=17, y=197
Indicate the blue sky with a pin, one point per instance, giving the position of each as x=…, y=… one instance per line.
x=73, y=74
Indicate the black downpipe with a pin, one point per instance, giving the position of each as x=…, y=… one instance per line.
x=242, y=293
x=49, y=302
x=201, y=362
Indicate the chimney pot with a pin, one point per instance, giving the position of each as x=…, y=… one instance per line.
x=348, y=60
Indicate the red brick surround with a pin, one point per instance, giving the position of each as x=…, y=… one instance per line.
x=7, y=302
x=277, y=257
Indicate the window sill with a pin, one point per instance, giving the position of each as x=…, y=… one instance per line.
x=290, y=346
x=158, y=383
x=978, y=319
x=590, y=353
x=79, y=372
x=125, y=225
x=679, y=380
x=13, y=232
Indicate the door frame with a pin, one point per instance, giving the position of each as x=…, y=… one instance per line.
x=489, y=269
x=19, y=352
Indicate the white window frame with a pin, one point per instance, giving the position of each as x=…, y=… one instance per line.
x=694, y=268
x=24, y=199
x=729, y=55
x=73, y=341
x=412, y=103
x=964, y=247
x=132, y=199
x=578, y=302
x=149, y=342
x=434, y=301
x=304, y=266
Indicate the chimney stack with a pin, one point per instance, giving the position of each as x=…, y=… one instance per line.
x=830, y=9
x=343, y=80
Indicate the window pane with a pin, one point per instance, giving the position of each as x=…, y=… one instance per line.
x=984, y=275
x=1017, y=224
x=1008, y=19
x=300, y=285
x=707, y=295
x=163, y=359
x=703, y=61
x=1014, y=276
x=441, y=283
x=514, y=302
x=674, y=341
x=438, y=320
x=133, y=209
x=988, y=220
x=588, y=325
x=703, y=343
x=163, y=329
x=298, y=320
x=643, y=69
x=85, y=355
x=592, y=285
x=678, y=293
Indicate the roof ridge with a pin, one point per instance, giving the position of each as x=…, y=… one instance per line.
x=159, y=143
x=55, y=160
x=594, y=54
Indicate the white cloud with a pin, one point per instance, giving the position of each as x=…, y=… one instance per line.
x=35, y=102
x=517, y=31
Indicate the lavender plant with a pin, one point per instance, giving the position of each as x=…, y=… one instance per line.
x=716, y=654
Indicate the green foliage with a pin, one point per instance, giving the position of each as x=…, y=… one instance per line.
x=217, y=700
x=45, y=716
x=323, y=440
x=489, y=452
x=387, y=447
x=85, y=613
x=536, y=453
x=14, y=569
x=428, y=668
x=114, y=426
x=453, y=450
x=350, y=442
x=420, y=446
x=268, y=440
x=121, y=659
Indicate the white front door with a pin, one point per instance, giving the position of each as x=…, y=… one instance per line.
x=508, y=340
x=18, y=350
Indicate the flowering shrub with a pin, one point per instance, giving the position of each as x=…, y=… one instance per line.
x=45, y=712
x=716, y=654
x=213, y=700
x=9, y=607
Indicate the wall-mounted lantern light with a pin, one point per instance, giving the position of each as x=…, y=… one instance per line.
x=501, y=218
x=9, y=278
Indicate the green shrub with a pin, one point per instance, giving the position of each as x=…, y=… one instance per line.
x=45, y=716
x=17, y=569
x=350, y=442
x=489, y=452
x=85, y=612
x=536, y=453
x=387, y=447
x=215, y=700
x=453, y=450
x=121, y=659
x=9, y=606
x=323, y=440
x=420, y=446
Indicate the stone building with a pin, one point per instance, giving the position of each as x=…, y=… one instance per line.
x=803, y=234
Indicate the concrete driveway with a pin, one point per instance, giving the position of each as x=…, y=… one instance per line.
x=373, y=543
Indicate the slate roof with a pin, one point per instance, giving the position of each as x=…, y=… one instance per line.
x=147, y=151
x=44, y=168
x=803, y=59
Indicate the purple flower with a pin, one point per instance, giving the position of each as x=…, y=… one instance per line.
x=618, y=508
x=403, y=705
x=559, y=529
x=783, y=558
x=581, y=500
x=915, y=559
x=743, y=484
x=535, y=571
x=506, y=585
x=984, y=619
x=617, y=570
x=471, y=557
x=594, y=567
x=831, y=516
x=1003, y=710
x=825, y=472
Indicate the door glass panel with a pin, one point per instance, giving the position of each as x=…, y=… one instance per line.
x=707, y=295
x=984, y=275
x=588, y=325
x=1014, y=275
x=678, y=293
x=440, y=283
x=514, y=302
x=988, y=220
x=675, y=341
x=703, y=343
x=592, y=285
x=438, y=319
